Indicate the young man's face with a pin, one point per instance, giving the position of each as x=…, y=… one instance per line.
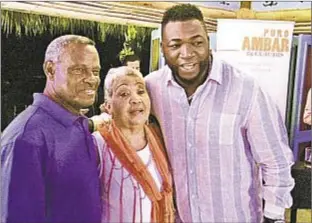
x=185, y=46
x=77, y=76
x=134, y=65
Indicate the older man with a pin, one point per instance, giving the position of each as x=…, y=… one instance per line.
x=48, y=161
x=222, y=132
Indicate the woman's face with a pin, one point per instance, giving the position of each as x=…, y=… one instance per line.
x=130, y=104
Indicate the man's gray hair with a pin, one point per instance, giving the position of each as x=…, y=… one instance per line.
x=55, y=48
x=113, y=73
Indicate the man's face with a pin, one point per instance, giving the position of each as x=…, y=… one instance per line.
x=185, y=46
x=134, y=65
x=77, y=76
x=130, y=104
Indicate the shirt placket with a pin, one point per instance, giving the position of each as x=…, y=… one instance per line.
x=189, y=111
x=83, y=127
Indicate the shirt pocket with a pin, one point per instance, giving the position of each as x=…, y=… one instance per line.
x=228, y=128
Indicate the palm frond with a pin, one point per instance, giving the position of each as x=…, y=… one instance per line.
x=29, y=24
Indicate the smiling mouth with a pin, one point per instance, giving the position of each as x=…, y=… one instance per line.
x=137, y=111
x=188, y=66
x=89, y=92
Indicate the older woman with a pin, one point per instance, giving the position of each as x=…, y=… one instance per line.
x=136, y=181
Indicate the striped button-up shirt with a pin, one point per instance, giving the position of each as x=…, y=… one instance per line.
x=222, y=146
x=123, y=198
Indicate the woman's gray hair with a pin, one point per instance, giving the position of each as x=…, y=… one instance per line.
x=113, y=73
x=55, y=48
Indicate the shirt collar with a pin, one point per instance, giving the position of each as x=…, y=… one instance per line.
x=215, y=73
x=168, y=75
x=55, y=110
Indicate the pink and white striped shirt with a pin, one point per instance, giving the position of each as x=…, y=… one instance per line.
x=123, y=198
x=222, y=145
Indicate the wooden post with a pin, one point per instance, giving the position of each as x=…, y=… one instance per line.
x=245, y=4
x=245, y=11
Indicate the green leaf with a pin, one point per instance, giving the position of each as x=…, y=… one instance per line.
x=31, y=24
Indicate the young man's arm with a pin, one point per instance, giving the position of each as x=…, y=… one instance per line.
x=268, y=139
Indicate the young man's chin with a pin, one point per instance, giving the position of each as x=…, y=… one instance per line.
x=187, y=79
x=188, y=75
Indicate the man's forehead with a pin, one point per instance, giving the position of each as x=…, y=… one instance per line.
x=71, y=48
x=80, y=52
x=193, y=27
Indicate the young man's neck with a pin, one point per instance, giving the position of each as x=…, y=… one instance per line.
x=191, y=88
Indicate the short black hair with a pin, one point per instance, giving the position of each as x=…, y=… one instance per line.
x=130, y=58
x=182, y=12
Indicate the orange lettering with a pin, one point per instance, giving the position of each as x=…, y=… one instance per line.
x=275, y=45
x=266, y=31
x=285, y=45
x=246, y=43
x=267, y=44
x=257, y=43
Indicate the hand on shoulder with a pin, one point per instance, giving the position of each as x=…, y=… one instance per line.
x=101, y=121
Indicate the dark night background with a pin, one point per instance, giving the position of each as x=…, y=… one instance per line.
x=22, y=75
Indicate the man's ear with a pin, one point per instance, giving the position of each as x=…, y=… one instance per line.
x=49, y=70
x=161, y=47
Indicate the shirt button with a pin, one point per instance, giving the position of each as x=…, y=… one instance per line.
x=191, y=172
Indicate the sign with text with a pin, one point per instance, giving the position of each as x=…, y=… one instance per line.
x=261, y=49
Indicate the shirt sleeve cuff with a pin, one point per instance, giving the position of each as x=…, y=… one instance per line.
x=274, y=212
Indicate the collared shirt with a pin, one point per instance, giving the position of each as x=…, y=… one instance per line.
x=48, y=167
x=222, y=145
